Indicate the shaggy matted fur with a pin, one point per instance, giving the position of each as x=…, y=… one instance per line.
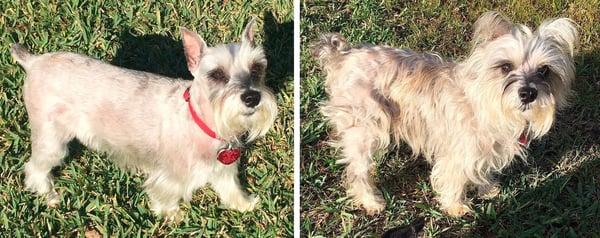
x=469, y=119
x=143, y=121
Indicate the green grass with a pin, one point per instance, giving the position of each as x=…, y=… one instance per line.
x=98, y=196
x=555, y=194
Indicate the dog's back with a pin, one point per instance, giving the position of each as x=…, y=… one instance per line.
x=100, y=104
x=399, y=89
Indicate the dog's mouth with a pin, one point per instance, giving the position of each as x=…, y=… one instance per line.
x=248, y=112
x=525, y=107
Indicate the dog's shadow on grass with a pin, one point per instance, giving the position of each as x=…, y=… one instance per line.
x=159, y=54
x=279, y=48
x=163, y=54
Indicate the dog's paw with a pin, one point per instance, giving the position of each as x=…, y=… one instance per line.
x=488, y=191
x=173, y=216
x=374, y=208
x=52, y=199
x=373, y=204
x=39, y=183
x=247, y=203
x=254, y=201
x=457, y=210
x=170, y=212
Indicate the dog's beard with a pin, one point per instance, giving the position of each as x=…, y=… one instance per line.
x=233, y=119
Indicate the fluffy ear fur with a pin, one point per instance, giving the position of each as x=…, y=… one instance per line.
x=490, y=26
x=248, y=34
x=194, y=48
x=563, y=31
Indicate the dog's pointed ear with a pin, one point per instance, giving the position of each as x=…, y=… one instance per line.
x=563, y=31
x=248, y=34
x=490, y=26
x=194, y=48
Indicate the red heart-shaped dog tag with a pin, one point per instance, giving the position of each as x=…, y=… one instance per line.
x=228, y=156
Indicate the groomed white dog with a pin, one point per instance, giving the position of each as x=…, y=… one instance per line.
x=182, y=134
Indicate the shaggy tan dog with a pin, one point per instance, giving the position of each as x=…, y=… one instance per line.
x=469, y=119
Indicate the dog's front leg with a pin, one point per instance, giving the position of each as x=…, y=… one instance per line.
x=231, y=193
x=449, y=180
x=165, y=192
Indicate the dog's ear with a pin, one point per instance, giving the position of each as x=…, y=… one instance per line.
x=248, y=34
x=490, y=26
x=194, y=48
x=563, y=31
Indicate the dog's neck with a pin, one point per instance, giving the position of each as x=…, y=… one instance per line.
x=203, y=109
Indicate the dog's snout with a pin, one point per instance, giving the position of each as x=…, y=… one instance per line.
x=251, y=98
x=527, y=94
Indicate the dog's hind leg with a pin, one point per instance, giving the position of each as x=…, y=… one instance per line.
x=48, y=148
x=359, y=144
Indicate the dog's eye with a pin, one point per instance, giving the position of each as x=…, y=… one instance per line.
x=506, y=68
x=543, y=71
x=218, y=75
x=256, y=70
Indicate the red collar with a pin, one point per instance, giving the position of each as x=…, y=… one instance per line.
x=197, y=120
x=226, y=155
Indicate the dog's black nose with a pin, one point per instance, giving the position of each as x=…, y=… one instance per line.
x=527, y=94
x=251, y=98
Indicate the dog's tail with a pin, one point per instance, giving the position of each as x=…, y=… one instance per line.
x=21, y=55
x=329, y=47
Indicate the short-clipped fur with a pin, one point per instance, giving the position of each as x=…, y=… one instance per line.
x=143, y=122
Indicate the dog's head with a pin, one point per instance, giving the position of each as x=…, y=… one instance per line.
x=231, y=77
x=526, y=74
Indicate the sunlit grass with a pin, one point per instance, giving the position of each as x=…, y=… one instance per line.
x=96, y=195
x=554, y=195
